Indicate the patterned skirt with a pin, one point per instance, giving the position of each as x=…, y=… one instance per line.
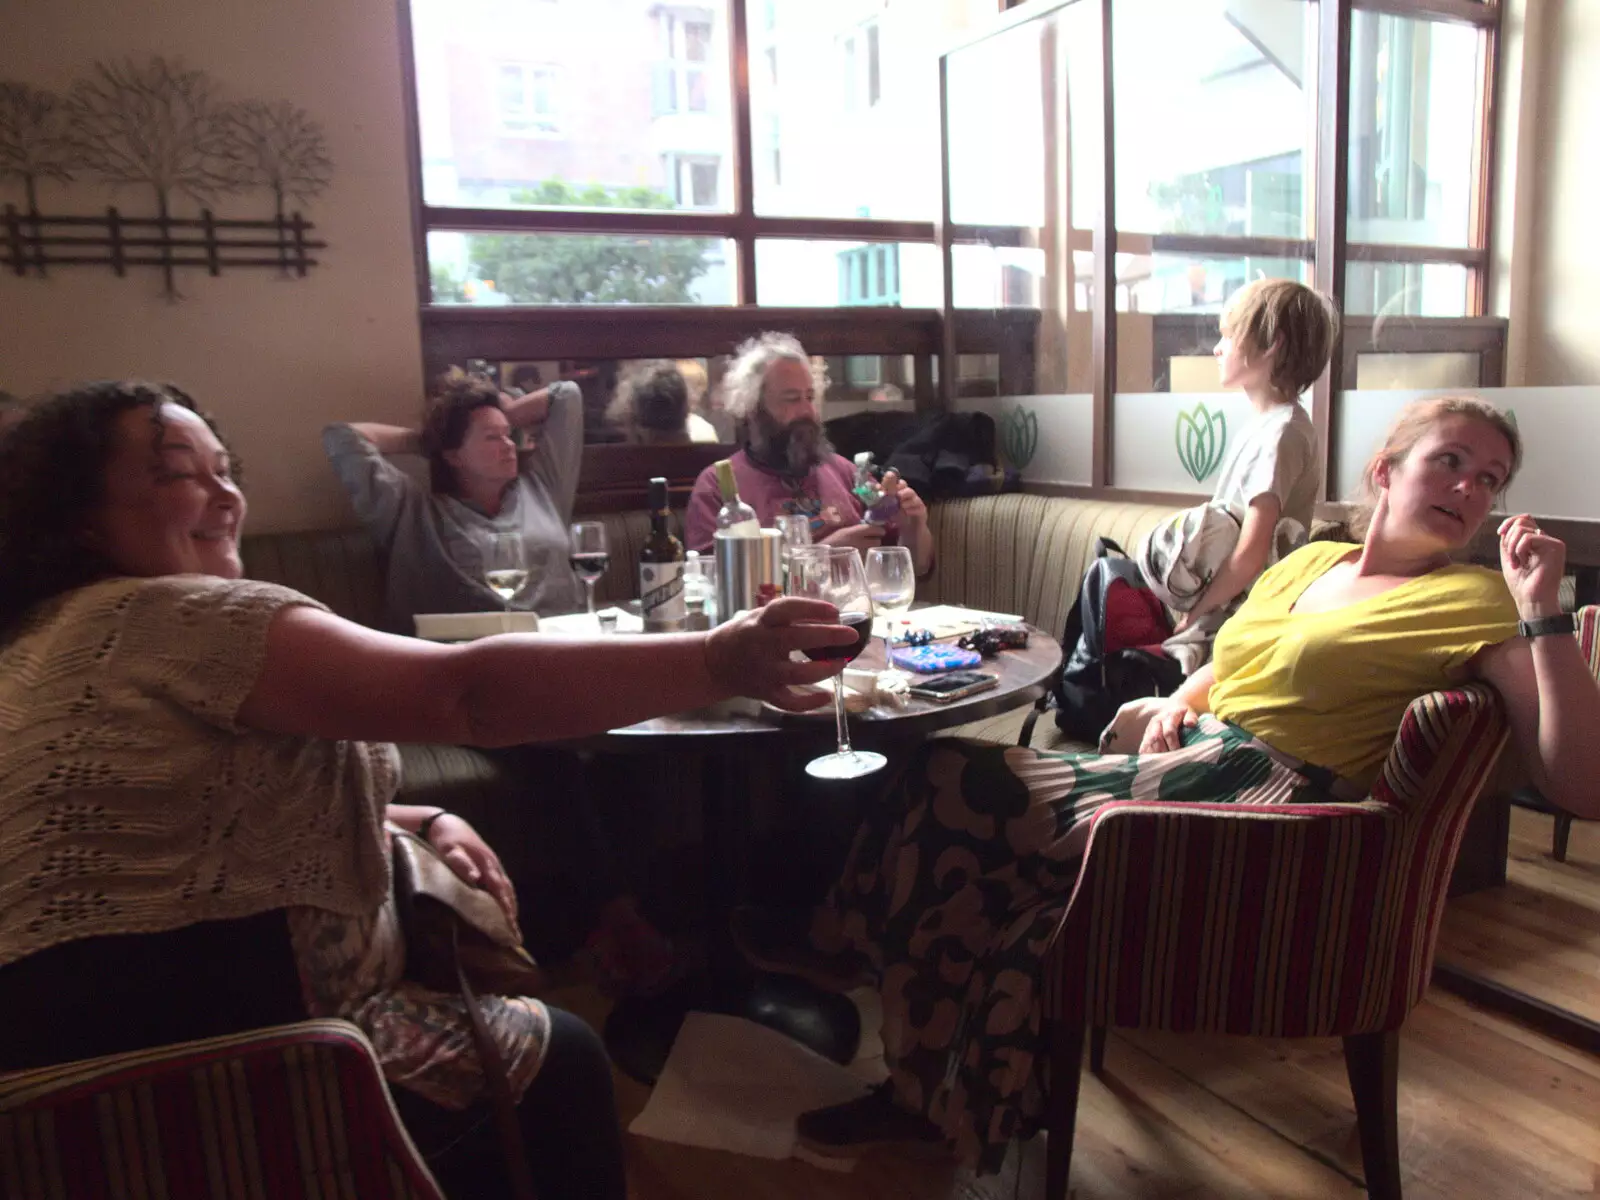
x=958, y=879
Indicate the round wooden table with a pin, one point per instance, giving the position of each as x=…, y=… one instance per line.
x=727, y=739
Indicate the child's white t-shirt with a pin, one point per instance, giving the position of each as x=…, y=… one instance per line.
x=1276, y=453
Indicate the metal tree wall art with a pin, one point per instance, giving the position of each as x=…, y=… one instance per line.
x=159, y=126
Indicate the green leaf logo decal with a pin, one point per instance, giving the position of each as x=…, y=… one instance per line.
x=1019, y=437
x=1202, y=436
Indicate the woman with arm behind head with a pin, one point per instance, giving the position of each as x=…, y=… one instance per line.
x=482, y=486
x=195, y=777
x=957, y=882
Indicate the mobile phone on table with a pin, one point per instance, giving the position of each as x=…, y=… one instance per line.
x=953, y=686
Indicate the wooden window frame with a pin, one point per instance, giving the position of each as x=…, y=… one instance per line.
x=934, y=338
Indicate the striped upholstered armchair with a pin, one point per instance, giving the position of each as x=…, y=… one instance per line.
x=1278, y=921
x=292, y=1113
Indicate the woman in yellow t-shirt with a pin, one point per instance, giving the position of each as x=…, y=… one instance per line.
x=956, y=881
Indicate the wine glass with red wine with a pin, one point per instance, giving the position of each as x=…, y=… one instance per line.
x=835, y=574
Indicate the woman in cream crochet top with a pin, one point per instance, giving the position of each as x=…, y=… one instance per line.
x=195, y=779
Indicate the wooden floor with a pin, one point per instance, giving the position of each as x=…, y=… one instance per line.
x=1486, y=1110
x=1540, y=933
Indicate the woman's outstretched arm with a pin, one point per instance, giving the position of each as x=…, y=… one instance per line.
x=327, y=677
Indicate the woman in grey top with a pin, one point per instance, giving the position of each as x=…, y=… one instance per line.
x=482, y=488
x=436, y=539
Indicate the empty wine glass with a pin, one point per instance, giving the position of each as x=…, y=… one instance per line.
x=892, y=585
x=835, y=574
x=588, y=555
x=505, y=565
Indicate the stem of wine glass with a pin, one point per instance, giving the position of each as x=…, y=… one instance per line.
x=588, y=585
x=838, y=713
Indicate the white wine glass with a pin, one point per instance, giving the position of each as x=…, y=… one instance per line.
x=505, y=566
x=588, y=555
x=892, y=586
x=835, y=574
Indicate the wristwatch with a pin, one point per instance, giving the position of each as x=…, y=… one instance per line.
x=1544, y=626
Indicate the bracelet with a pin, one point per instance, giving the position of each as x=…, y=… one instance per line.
x=1544, y=626
x=427, y=823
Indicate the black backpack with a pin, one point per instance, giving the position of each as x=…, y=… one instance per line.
x=1092, y=684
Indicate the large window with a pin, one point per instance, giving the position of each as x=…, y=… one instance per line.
x=787, y=153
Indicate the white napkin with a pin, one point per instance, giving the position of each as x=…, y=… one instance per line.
x=730, y=1084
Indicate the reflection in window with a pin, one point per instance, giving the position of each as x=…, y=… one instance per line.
x=1181, y=283
x=490, y=269
x=850, y=126
x=1214, y=107
x=1414, y=372
x=794, y=273
x=1414, y=87
x=1406, y=289
x=527, y=99
x=620, y=95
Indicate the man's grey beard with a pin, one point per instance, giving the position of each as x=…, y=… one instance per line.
x=794, y=449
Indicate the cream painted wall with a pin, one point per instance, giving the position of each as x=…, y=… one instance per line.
x=1550, y=179
x=273, y=358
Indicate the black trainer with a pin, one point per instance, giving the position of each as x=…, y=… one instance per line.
x=873, y=1122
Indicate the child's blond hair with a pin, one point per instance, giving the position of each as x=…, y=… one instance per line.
x=1281, y=315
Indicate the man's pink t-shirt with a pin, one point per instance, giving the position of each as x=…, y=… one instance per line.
x=824, y=495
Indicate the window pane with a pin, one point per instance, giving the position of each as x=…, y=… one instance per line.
x=1412, y=372
x=1215, y=115
x=1406, y=289
x=852, y=121
x=1181, y=283
x=801, y=274
x=571, y=105
x=1414, y=88
x=522, y=268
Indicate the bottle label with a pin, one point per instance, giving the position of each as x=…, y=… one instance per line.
x=661, y=595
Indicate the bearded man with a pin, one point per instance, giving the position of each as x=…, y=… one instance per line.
x=787, y=465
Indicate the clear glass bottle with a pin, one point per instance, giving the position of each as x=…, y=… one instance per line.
x=735, y=518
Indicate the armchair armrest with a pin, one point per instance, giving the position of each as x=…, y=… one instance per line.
x=297, y=1110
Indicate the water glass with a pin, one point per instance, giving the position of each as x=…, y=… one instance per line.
x=892, y=584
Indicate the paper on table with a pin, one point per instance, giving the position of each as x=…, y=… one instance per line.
x=583, y=623
x=466, y=627
x=730, y=1084
x=944, y=620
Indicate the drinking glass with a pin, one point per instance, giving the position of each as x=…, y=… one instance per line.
x=835, y=574
x=794, y=530
x=588, y=555
x=505, y=566
x=892, y=585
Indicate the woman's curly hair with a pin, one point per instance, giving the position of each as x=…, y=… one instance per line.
x=456, y=396
x=52, y=477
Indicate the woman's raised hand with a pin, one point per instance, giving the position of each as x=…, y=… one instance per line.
x=1532, y=562
x=749, y=655
x=1164, y=733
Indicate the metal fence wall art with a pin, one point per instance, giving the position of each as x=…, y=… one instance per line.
x=167, y=131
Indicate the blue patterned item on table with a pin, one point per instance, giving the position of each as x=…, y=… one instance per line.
x=929, y=660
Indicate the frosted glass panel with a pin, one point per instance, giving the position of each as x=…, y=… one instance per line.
x=1174, y=443
x=1049, y=439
